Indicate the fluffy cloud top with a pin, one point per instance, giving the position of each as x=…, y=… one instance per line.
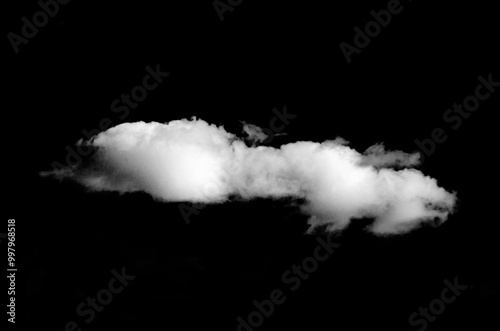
x=191, y=160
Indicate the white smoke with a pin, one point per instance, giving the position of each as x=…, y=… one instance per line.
x=191, y=160
x=254, y=133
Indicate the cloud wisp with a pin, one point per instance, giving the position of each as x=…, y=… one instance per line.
x=194, y=161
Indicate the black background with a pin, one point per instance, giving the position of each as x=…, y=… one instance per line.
x=263, y=55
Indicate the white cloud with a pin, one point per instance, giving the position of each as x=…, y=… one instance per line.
x=255, y=133
x=191, y=160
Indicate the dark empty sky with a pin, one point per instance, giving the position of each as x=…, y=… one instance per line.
x=263, y=55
